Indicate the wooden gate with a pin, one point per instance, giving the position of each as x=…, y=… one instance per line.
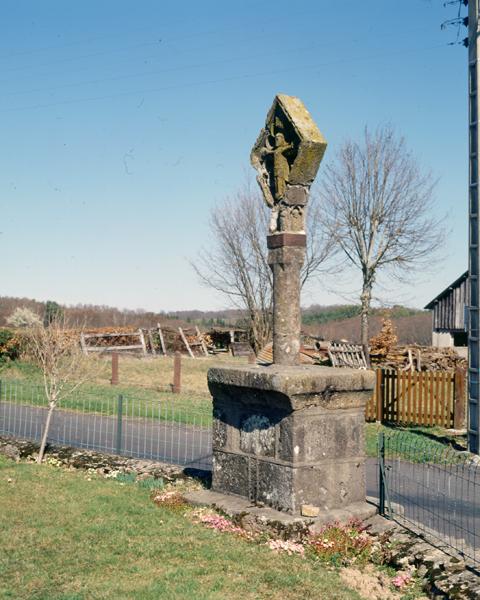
x=418, y=398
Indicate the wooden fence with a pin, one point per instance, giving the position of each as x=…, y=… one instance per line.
x=419, y=398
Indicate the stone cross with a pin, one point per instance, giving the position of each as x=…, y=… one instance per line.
x=287, y=155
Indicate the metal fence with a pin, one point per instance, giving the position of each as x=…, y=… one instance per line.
x=156, y=428
x=432, y=488
x=417, y=481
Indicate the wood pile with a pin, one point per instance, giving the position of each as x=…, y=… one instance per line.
x=124, y=338
x=381, y=344
x=418, y=358
x=385, y=353
x=309, y=355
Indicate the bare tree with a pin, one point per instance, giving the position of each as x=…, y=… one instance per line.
x=55, y=349
x=378, y=204
x=236, y=262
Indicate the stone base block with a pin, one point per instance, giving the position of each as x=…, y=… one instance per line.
x=290, y=436
x=267, y=518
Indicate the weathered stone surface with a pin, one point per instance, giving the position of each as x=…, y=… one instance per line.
x=445, y=574
x=287, y=155
x=257, y=435
x=286, y=263
x=293, y=387
x=294, y=435
x=308, y=510
x=232, y=473
x=309, y=436
x=88, y=459
x=283, y=524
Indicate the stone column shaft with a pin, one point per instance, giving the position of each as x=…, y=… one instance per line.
x=286, y=256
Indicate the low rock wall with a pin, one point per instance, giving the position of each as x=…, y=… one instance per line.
x=18, y=449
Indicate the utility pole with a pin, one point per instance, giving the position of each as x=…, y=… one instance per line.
x=473, y=237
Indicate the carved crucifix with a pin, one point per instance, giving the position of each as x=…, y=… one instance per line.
x=287, y=155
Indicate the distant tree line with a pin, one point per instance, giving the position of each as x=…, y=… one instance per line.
x=329, y=322
x=317, y=315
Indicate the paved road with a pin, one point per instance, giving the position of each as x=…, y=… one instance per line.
x=443, y=500
x=161, y=440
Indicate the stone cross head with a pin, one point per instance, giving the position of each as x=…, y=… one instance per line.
x=287, y=155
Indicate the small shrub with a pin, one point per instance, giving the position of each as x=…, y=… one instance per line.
x=122, y=477
x=342, y=544
x=10, y=345
x=150, y=483
x=169, y=499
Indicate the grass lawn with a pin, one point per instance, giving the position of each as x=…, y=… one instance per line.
x=414, y=444
x=144, y=384
x=22, y=384
x=67, y=538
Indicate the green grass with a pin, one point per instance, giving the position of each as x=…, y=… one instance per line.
x=67, y=538
x=414, y=444
x=100, y=399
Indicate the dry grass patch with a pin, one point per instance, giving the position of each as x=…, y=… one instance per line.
x=158, y=372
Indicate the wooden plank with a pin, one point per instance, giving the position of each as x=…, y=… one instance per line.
x=388, y=399
x=388, y=396
x=419, y=386
x=185, y=341
x=394, y=392
x=403, y=399
x=162, y=341
x=451, y=391
x=150, y=341
x=107, y=335
x=113, y=348
x=440, y=399
x=408, y=400
x=142, y=341
x=459, y=395
x=447, y=389
x=414, y=397
x=83, y=344
x=204, y=347
x=379, y=395
x=425, y=397
x=432, y=398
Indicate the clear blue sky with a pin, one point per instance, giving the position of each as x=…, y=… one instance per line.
x=123, y=123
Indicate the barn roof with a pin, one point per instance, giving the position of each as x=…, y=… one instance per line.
x=447, y=290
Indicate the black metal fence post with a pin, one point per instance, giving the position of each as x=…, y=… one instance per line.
x=381, y=473
x=118, y=439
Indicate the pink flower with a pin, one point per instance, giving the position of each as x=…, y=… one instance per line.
x=220, y=524
x=402, y=579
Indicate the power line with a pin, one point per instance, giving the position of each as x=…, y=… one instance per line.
x=179, y=68
x=165, y=70
x=221, y=80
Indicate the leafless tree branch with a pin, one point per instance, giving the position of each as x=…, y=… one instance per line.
x=236, y=264
x=379, y=208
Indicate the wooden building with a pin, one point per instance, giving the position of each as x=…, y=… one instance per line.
x=449, y=319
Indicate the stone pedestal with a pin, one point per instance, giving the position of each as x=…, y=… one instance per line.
x=288, y=437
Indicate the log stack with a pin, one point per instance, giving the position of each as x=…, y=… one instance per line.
x=418, y=358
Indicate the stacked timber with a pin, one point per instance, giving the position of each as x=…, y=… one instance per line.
x=309, y=355
x=417, y=358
